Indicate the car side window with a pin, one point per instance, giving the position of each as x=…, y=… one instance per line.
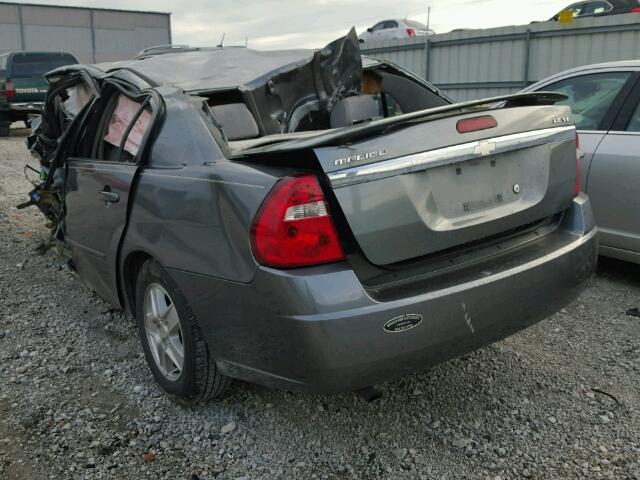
x=634, y=124
x=378, y=26
x=590, y=96
x=390, y=24
x=115, y=130
x=594, y=8
x=576, y=9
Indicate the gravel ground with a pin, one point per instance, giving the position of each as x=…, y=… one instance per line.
x=560, y=400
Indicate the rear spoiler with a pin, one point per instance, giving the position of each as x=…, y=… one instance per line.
x=345, y=134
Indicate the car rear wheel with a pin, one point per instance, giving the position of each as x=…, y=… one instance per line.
x=173, y=344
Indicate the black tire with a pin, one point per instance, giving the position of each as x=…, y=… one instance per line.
x=5, y=125
x=200, y=379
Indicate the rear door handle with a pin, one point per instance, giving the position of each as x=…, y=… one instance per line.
x=109, y=197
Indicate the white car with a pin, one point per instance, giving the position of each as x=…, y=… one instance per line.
x=394, y=29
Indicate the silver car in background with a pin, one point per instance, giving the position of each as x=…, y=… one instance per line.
x=605, y=99
x=394, y=29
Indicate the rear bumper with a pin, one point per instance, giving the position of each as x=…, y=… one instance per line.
x=318, y=330
x=25, y=107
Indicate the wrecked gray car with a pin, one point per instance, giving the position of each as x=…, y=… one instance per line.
x=313, y=221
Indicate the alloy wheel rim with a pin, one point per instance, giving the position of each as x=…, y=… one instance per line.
x=164, y=334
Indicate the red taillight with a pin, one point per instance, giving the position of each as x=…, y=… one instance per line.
x=411, y=32
x=9, y=91
x=579, y=156
x=476, y=123
x=293, y=227
x=635, y=10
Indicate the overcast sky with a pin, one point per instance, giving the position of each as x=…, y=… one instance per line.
x=273, y=24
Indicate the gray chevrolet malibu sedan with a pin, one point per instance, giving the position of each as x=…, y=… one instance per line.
x=306, y=220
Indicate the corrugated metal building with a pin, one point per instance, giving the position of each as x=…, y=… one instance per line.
x=91, y=34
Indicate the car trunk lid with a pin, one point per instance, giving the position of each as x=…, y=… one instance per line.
x=425, y=188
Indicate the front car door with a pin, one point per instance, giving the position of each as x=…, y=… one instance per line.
x=575, y=9
x=391, y=30
x=98, y=183
x=377, y=31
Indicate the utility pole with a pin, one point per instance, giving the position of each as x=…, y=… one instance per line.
x=428, y=18
x=426, y=45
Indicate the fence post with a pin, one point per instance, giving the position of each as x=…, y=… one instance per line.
x=427, y=52
x=23, y=47
x=526, y=59
x=93, y=36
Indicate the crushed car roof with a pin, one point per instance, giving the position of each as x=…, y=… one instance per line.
x=214, y=69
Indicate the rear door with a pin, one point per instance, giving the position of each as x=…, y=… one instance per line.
x=98, y=184
x=576, y=9
x=613, y=180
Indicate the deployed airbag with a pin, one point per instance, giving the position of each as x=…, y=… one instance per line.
x=122, y=117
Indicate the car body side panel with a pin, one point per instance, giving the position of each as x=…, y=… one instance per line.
x=193, y=208
x=192, y=219
x=589, y=141
x=613, y=187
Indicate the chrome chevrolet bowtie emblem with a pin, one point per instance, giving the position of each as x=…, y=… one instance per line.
x=484, y=148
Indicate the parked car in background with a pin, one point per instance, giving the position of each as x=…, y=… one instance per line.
x=605, y=100
x=22, y=83
x=598, y=8
x=394, y=29
x=277, y=221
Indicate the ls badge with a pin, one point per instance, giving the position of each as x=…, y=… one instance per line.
x=559, y=120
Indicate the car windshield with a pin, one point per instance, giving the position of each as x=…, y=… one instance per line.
x=36, y=65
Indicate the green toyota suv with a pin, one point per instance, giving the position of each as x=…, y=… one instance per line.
x=22, y=84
